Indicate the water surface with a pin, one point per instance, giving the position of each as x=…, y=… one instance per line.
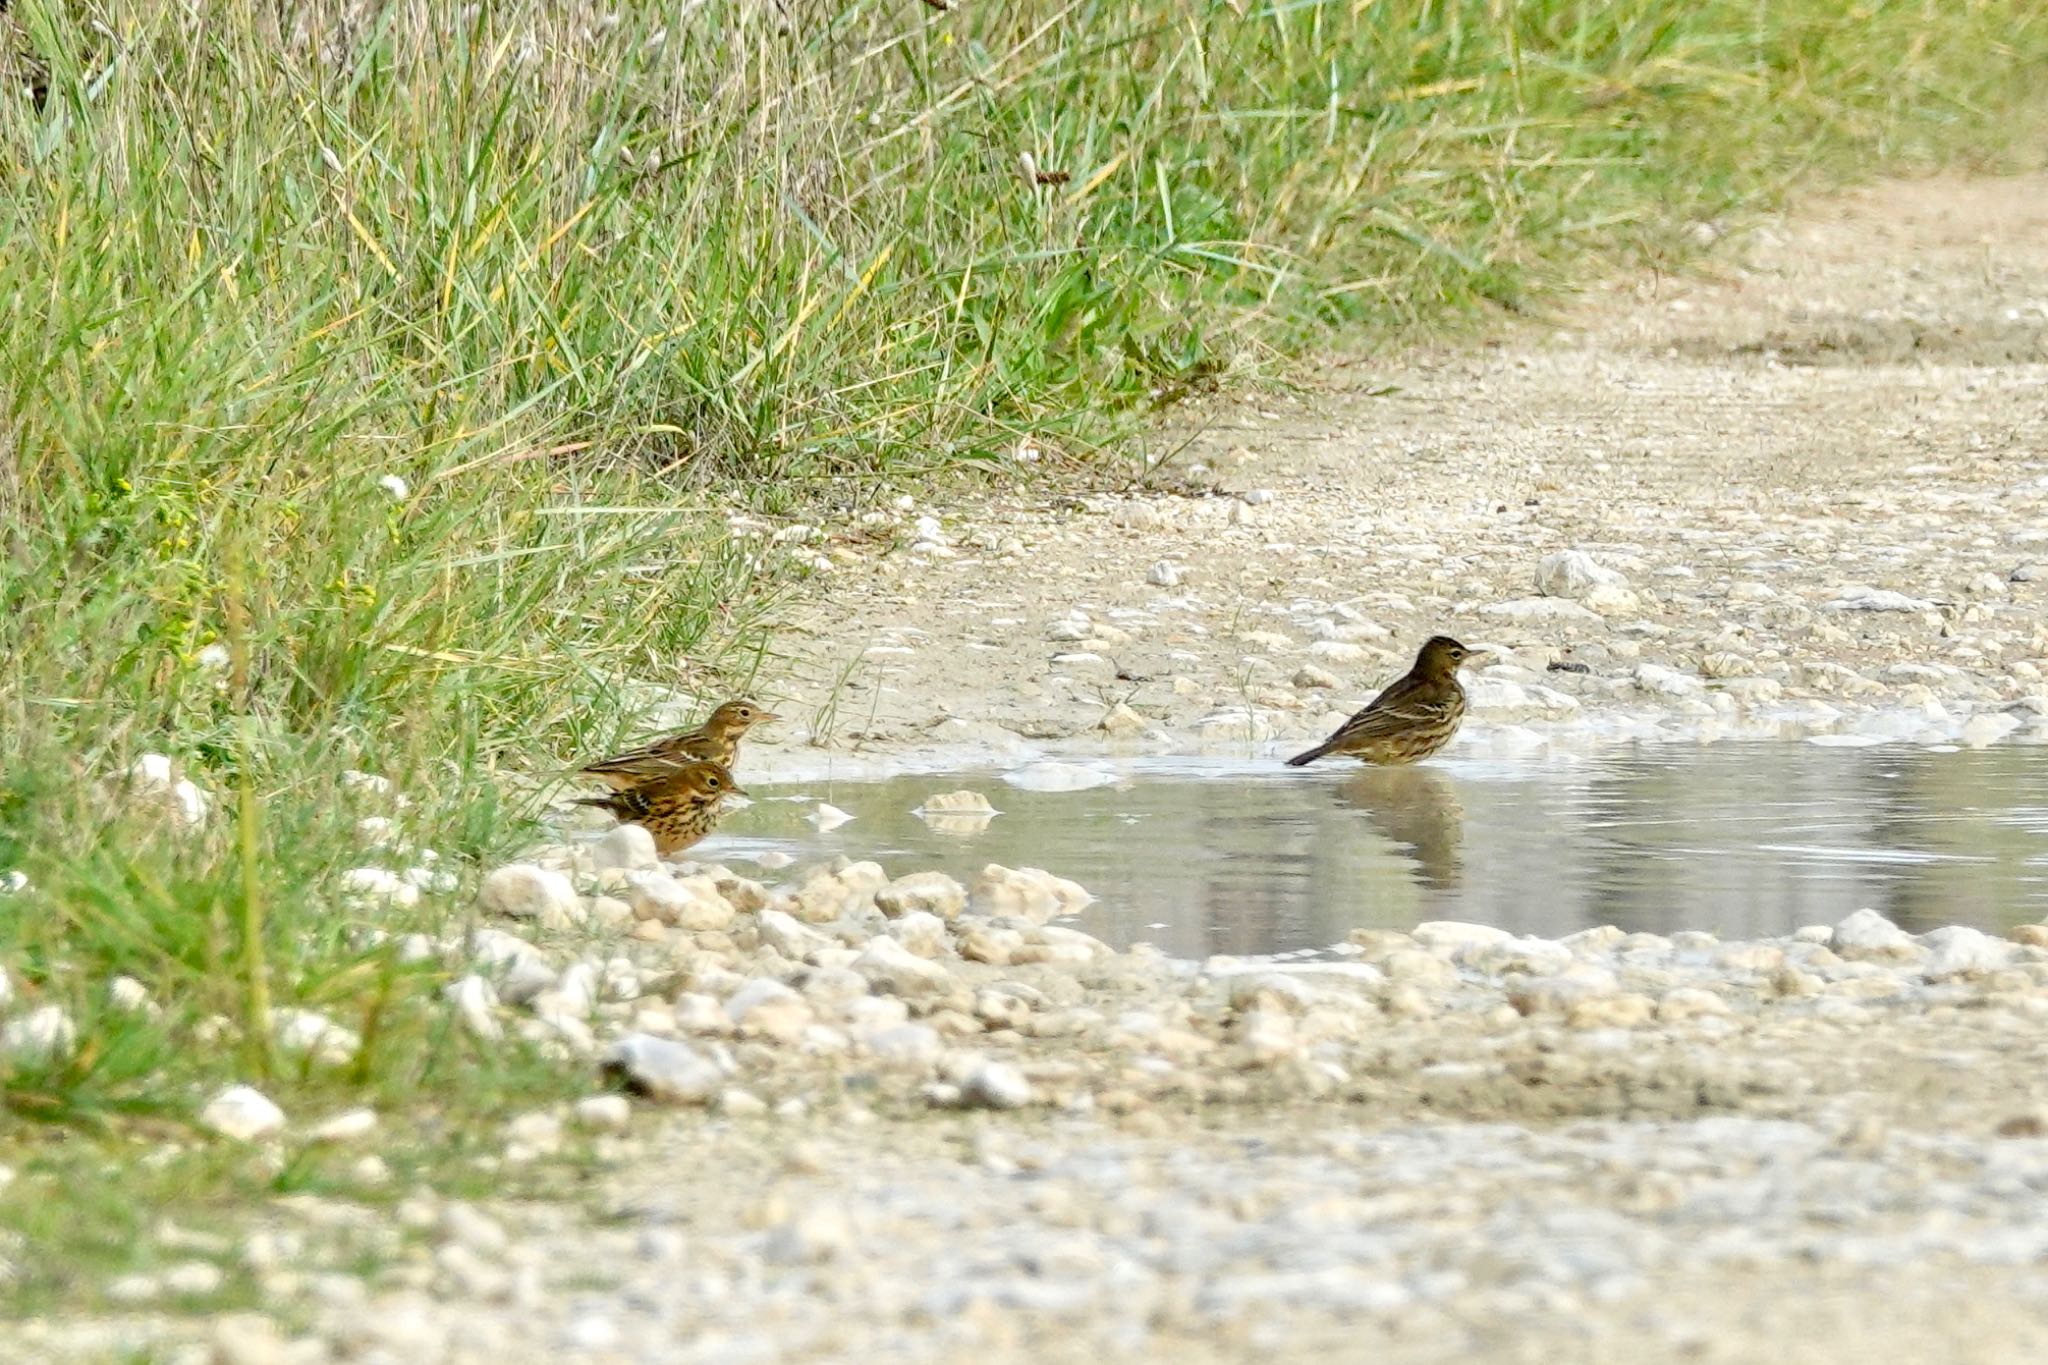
x=1743, y=839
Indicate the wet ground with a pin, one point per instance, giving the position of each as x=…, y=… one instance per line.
x=1203, y=856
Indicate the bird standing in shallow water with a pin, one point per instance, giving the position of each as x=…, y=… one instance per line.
x=1411, y=719
x=717, y=740
x=678, y=807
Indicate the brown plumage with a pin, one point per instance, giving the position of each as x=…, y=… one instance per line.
x=717, y=740
x=1411, y=719
x=678, y=807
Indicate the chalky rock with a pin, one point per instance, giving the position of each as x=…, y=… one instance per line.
x=1025, y=893
x=995, y=1085
x=1869, y=936
x=887, y=965
x=346, y=1126
x=956, y=803
x=628, y=848
x=474, y=1000
x=789, y=936
x=43, y=1034
x=525, y=891
x=929, y=893
x=663, y=1070
x=834, y=891
x=309, y=1033
x=1960, y=951
x=376, y=887
x=243, y=1113
x=154, y=784
x=1576, y=575
x=1863, y=597
x=691, y=903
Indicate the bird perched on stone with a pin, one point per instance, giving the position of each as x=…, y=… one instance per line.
x=1411, y=719
x=717, y=740
x=678, y=807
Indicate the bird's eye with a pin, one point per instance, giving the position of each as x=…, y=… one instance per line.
x=711, y=782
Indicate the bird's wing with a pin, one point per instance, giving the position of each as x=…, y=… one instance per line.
x=662, y=753
x=1397, y=710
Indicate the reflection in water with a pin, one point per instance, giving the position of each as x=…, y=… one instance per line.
x=1201, y=856
x=1416, y=808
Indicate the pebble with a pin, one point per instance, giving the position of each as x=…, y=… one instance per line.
x=1868, y=935
x=603, y=1113
x=242, y=1113
x=1574, y=574
x=627, y=848
x=42, y=1035
x=996, y=1085
x=888, y=965
x=665, y=1070
x=347, y=1126
x=526, y=891
x=930, y=893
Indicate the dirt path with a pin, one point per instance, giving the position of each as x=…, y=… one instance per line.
x=1600, y=1149
x=1855, y=399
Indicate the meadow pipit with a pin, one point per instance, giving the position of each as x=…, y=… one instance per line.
x=1411, y=719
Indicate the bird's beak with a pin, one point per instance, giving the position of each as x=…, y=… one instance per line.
x=737, y=790
x=1478, y=657
x=765, y=717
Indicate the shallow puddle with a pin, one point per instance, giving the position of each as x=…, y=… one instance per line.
x=1742, y=839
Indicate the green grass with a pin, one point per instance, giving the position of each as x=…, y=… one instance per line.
x=576, y=288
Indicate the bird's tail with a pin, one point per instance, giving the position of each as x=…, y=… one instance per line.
x=601, y=802
x=1303, y=760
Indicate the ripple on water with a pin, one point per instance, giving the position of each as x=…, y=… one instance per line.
x=1204, y=856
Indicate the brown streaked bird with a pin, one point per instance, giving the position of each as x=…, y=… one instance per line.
x=678, y=807
x=1412, y=719
x=717, y=740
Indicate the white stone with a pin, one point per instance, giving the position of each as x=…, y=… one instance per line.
x=789, y=936
x=525, y=891
x=604, y=1113
x=1164, y=574
x=1574, y=574
x=243, y=1113
x=153, y=781
x=1659, y=681
x=996, y=1085
x=124, y=993
x=931, y=893
x=629, y=848
x=961, y=802
x=664, y=1070
x=1862, y=597
x=1867, y=934
x=1309, y=677
x=346, y=1126
x=766, y=1007
x=1963, y=951
x=1541, y=610
x=193, y=1279
x=41, y=1035
x=474, y=1000
x=307, y=1032
x=887, y=964
x=372, y=887
x=911, y=1046
x=1445, y=935
x=691, y=903
x=920, y=932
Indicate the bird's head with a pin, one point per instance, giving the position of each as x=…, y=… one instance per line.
x=737, y=717
x=1442, y=656
x=712, y=781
